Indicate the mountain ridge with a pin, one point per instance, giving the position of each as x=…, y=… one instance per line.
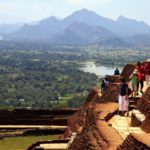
x=59, y=31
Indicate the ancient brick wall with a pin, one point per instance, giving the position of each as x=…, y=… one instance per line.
x=35, y=117
x=89, y=138
x=77, y=121
x=113, y=78
x=110, y=95
x=144, y=107
x=127, y=71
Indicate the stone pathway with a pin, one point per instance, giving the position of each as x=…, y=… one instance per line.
x=122, y=125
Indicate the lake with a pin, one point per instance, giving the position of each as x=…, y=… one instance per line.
x=98, y=69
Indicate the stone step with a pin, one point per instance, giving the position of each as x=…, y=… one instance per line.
x=50, y=145
x=132, y=106
x=141, y=117
x=56, y=146
x=132, y=101
x=122, y=125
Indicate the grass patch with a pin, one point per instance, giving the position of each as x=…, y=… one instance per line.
x=9, y=108
x=22, y=143
x=66, y=98
x=73, y=96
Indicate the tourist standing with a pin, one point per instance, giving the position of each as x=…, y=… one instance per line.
x=133, y=83
x=104, y=85
x=147, y=71
x=123, y=97
x=140, y=69
x=117, y=72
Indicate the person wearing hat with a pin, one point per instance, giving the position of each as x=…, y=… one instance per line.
x=147, y=71
x=133, y=83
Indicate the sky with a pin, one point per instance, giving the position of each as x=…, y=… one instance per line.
x=14, y=11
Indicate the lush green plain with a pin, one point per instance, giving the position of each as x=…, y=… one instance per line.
x=41, y=79
x=51, y=78
x=22, y=143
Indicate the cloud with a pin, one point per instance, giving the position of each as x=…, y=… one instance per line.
x=87, y=2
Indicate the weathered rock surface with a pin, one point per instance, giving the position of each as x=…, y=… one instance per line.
x=144, y=107
x=127, y=71
x=110, y=95
x=97, y=134
x=136, y=142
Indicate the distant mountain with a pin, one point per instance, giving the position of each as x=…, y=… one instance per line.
x=123, y=26
x=40, y=32
x=83, y=27
x=81, y=33
x=115, y=42
x=131, y=27
x=88, y=17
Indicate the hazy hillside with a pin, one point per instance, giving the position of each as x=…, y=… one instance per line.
x=139, y=39
x=84, y=27
x=9, y=28
x=40, y=32
x=131, y=27
x=81, y=33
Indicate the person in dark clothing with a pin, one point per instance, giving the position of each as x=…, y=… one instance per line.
x=104, y=85
x=123, y=97
x=117, y=72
